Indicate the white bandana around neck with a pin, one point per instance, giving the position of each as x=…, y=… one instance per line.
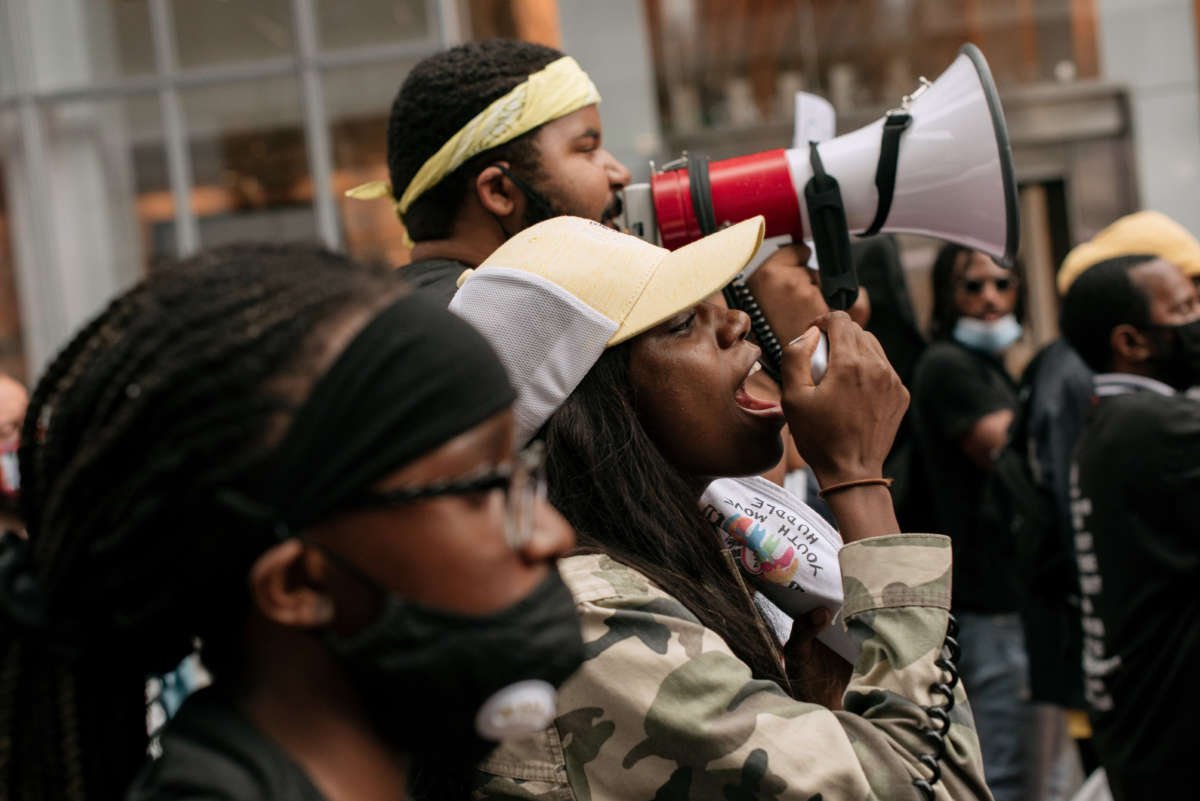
x=787, y=551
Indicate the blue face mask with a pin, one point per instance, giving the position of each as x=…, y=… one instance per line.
x=989, y=336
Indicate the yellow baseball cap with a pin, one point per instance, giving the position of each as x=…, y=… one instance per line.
x=1145, y=232
x=555, y=295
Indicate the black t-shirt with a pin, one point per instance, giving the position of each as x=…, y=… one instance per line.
x=438, y=277
x=1136, y=512
x=212, y=753
x=953, y=388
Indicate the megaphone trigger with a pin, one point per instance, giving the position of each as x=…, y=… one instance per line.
x=818, y=362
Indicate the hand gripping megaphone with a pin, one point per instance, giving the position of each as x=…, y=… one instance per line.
x=939, y=164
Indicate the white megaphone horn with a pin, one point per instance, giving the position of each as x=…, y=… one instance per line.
x=951, y=175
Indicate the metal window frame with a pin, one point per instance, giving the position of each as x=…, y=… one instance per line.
x=42, y=276
x=179, y=159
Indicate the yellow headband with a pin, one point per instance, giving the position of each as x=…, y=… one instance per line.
x=558, y=89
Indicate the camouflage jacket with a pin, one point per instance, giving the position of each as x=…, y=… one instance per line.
x=662, y=709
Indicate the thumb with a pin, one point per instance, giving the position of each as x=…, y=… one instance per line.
x=807, y=626
x=797, y=357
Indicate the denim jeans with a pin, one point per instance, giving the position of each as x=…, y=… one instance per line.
x=995, y=672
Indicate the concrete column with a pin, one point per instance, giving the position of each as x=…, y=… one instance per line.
x=611, y=42
x=1150, y=45
x=71, y=189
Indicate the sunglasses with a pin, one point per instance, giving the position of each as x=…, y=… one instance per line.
x=973, y=286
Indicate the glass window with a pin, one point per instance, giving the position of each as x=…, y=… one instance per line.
x=155, y=205
x=12, y=357
x=371, y=22
x=721, y=65
x=358, y=101
x=8, y=78
x=249, y=162
x=209, y=32
x=109, y=188
x=134, y=42
x=78, y=44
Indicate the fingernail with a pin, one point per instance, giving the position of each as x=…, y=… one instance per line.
x=812, y=329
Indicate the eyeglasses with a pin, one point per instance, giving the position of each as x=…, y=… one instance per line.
x=524, y=483
x=973, y=286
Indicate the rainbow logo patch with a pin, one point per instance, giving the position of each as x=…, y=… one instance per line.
x=776, y=556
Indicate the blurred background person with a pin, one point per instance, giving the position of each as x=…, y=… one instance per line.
x=1143, y=232
x=963, y=403
x=1135, y=503
x=13, y=401
x=249, y=448
x=1056, y=392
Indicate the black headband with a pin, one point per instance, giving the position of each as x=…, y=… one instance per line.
x=415, y=377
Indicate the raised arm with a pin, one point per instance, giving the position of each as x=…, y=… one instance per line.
x=845, y=426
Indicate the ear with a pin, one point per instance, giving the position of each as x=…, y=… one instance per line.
x=1129, y=344
x=495, y=192
x=288, y=585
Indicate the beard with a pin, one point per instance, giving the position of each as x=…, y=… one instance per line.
x=544, y=202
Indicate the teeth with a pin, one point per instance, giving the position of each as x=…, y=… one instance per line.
x=754, y=369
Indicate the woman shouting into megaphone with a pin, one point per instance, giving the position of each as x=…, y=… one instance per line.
x=635, y=379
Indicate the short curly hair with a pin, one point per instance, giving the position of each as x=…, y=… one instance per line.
x=1101, y=298
x=439, y=97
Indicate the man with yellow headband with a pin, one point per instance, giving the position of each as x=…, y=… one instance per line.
x=485, y=139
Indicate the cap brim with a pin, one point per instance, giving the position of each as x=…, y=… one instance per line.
x=689, y=275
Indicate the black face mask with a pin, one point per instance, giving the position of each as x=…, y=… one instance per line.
x=439, y=680
x=1178, y=356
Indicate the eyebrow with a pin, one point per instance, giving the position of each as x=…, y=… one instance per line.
x=590, y=133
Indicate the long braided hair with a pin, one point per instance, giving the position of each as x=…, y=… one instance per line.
x=177, y=390
x=623, y=498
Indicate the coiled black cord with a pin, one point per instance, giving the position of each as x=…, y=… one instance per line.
x=737, y=294
x=772, y=351
x=940, y=713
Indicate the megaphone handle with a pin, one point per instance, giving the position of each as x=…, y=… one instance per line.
x=831, y=235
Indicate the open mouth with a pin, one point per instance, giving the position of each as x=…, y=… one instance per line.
x=756, y=406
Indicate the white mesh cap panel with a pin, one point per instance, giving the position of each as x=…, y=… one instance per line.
x=547, y=338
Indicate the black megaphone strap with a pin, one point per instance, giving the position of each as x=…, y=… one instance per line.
x=895, y=124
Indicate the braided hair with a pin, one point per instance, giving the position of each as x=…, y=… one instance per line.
x=441, y=95
x=174, y=392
